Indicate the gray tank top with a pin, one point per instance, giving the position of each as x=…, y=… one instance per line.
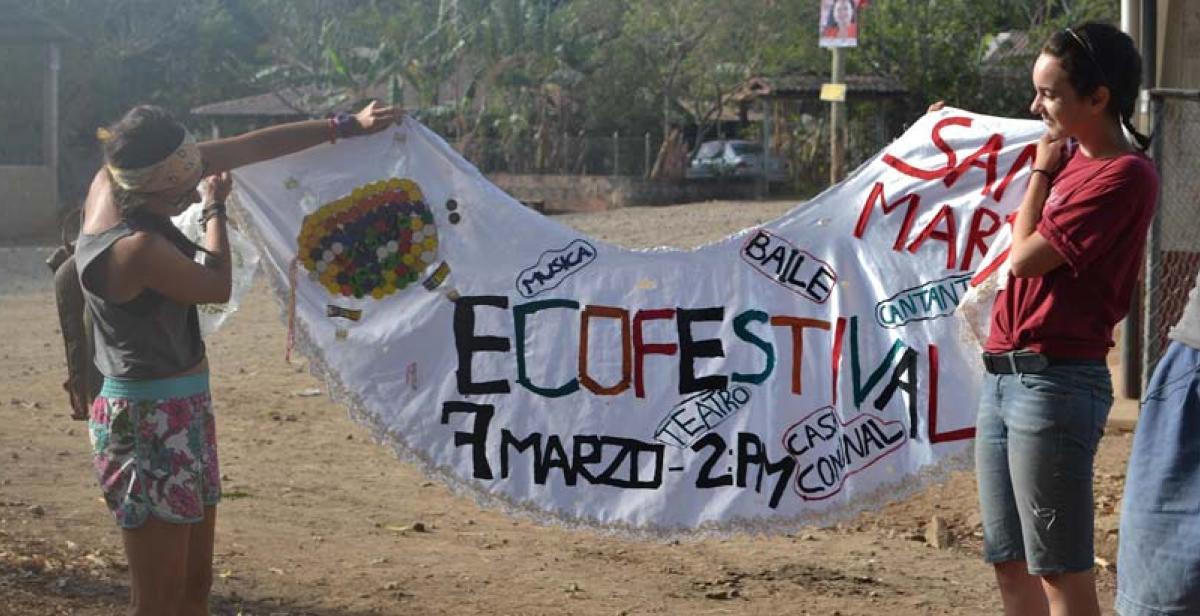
x=148, y=337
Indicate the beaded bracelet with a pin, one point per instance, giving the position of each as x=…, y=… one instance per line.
x=210, y=212
x=341, y=125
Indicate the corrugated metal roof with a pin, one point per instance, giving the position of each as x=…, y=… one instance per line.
x=283, y=103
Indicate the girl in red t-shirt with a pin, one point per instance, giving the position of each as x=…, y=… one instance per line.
x=1077, y=242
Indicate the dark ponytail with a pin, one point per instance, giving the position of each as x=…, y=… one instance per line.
x=1143, y=141
x=1098, y=54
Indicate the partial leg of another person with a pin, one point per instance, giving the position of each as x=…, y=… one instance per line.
x=1158, y=565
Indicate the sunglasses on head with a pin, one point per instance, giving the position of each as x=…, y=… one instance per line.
x=1086, y=45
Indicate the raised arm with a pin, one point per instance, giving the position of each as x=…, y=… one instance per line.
x=161, y=266
x=222, y=155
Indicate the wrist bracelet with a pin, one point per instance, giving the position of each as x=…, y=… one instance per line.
x=343, y=124
x=1048, y=175
x=210, y=212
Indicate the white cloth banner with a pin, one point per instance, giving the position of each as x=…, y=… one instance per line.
x=786, y=375
x=245, y=264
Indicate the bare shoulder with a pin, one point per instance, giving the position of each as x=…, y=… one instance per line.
x=127, y=265
x=100, y=180
x=148, y=260
x=141, y=252
x=100, y=187
x=100, y=212
x=143, y=245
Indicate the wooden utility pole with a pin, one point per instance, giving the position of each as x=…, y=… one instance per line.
x=837, y=113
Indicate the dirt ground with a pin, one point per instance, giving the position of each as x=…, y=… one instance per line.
x=318, y=519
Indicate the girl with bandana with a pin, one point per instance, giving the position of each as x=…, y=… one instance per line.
x=152, y=427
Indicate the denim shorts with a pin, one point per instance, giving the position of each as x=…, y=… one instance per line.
x=1158, y=565
x=1036, y=438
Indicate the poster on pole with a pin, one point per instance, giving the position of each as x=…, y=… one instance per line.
x=839, y=22
x=792, y=373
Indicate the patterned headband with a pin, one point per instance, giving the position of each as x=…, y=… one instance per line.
x=179, y=169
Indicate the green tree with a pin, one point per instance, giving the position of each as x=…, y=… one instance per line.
x=119, y=53
x=936, y=47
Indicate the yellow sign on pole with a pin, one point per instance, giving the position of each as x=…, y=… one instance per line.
x=833, y=92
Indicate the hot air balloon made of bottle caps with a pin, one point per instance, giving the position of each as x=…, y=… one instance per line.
x=373, y=242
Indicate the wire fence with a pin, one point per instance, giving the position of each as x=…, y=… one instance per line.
x=1173, y=247
x=617, y=154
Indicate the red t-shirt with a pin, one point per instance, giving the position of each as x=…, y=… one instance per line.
x=1096, y=216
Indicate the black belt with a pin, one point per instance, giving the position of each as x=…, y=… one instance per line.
x=1029, y=362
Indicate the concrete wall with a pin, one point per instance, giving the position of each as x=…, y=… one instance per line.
x=28, y=207
x=576, y=193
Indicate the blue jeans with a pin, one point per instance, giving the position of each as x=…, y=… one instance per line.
x=1036, y=438
x=1158, y=565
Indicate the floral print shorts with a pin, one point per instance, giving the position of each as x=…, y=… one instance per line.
x=154, y=445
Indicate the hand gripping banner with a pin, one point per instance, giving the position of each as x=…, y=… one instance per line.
x=789, y=374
